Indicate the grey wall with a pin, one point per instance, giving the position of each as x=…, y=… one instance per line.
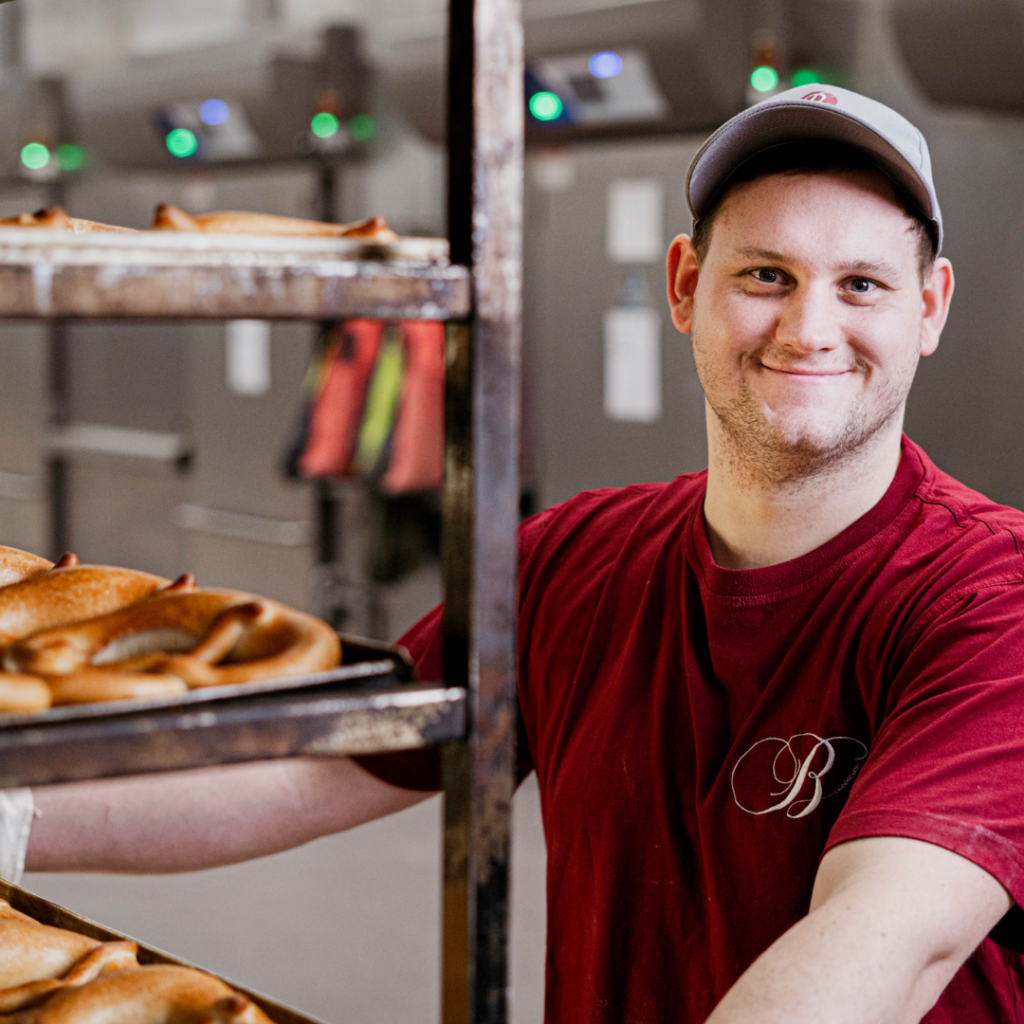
x=967, y=406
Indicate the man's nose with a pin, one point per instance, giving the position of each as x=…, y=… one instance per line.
x=809, y=320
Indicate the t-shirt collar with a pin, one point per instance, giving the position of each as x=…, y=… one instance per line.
x=775, y=579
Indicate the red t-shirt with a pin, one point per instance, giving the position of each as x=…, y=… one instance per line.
x=702, y=736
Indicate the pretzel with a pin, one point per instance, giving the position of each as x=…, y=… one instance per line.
x=154, y=994
x=30, y=951
x=158, y=993
x=230, y=637
x=107, y=956
x=56, y=219
x=54, y=976
x=237, y=222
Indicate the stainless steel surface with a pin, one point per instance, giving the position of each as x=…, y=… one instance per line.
x=59, y=917
x=160, y=275
x=572, y=443
x=218, y=522
x=331, y=720
x=126, y=442
x=482, y=500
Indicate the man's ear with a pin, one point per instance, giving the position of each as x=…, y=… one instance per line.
x=935, y=299
x=682, y=271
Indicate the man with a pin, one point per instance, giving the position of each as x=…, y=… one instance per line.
x=775, y=708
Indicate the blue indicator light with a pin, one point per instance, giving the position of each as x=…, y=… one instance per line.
x=214, y=112
x=605, y=64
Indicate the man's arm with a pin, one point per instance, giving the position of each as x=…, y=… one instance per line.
x=204, y=818
x=891, y=921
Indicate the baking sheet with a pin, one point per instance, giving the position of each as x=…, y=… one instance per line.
x=60, y=917
x=173, y=248
x=363, y=662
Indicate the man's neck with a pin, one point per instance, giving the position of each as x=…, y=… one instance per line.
x=753, y=522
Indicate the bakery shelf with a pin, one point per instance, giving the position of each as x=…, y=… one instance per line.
x=476, y=286
x=165, y=275
x=330, y=719
x=365, y=705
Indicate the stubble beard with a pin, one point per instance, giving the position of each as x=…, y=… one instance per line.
x=763, y=453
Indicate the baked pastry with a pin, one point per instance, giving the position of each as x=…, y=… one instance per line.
x=173, y=639
x=237, y=222
x=57, y=219
x=55, y=976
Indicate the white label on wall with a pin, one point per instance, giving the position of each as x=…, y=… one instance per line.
x=247, y=352
x=635, y=213
x=632, y=365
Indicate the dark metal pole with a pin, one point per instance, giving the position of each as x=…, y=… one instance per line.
x=485, y=154
x=58, y=469
x=328, y=511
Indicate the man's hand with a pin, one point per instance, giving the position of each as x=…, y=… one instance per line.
x=891, y=922
x=187, y=821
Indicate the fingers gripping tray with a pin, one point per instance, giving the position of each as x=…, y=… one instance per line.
x=368, y=704
x=47, y=913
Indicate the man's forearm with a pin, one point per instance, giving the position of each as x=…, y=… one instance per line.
x=891, y=922
x=835, y=967
x=187, y=821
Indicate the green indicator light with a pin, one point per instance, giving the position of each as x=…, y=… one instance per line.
x=362, y=127
x=181, y=142
x=35, y=156
x=324, y=125
x=545, y=106
x=70, y=157
x=764, y=79
x=806, y=76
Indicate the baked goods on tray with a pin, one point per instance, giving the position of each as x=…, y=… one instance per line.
x=53, y=976
x=239, y=222
x=75, y=634
x=226, y=222
x=56, y=219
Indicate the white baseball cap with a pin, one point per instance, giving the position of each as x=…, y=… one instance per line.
x=811, y=113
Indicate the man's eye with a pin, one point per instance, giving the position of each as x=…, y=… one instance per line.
x=862, y=286
x=766, y=275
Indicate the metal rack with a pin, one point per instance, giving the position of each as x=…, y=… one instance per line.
x=472, y=713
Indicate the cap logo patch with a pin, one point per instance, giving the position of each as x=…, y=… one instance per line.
x=822, y=97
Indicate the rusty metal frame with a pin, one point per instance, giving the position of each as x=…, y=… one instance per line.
x=331, y=720
x=473, y=713
x=485, y=166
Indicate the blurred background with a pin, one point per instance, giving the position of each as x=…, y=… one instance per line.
x=187, y=446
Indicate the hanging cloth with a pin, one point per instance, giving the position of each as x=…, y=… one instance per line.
x=337, y=409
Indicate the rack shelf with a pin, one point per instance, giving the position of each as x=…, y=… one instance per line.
x=331, y=720
x=143, y=275
x=163, y=275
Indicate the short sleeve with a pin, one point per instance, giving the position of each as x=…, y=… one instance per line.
x=946, y=765
x=414, y=769
x=421, y=769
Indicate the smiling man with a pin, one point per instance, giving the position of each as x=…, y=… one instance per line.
x=776, y=708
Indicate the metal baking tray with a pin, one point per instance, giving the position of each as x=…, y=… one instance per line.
x=367, y=705
x=363, y=662
x=59, y=917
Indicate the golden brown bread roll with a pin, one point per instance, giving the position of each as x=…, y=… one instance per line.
x=56, y=219
x=17, y=565
x=67, y=593
x=30, y=951
x=107, y=956
x=229, y=637
x=154, y=994
x=238, y=222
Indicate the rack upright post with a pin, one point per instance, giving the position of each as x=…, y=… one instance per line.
x=485, y=167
